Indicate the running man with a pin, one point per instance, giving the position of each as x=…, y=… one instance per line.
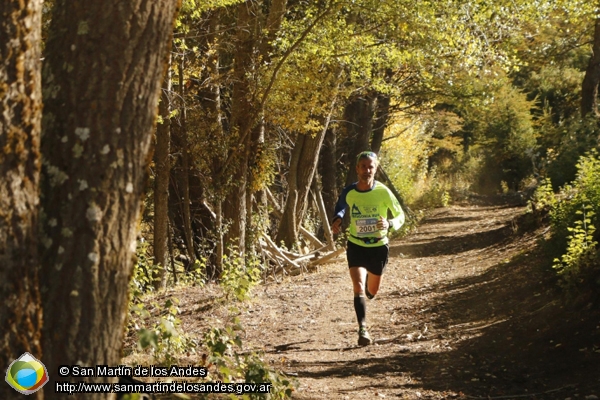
x=367, y=251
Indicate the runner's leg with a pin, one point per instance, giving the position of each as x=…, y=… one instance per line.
x=374, y=282
x=375, y=271
x=358, y=275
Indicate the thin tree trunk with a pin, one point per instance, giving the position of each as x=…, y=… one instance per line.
x=316, y=190
x=589, y=87
x=216, y=109
x=184, y=177
x=161, y=184
x=105, y=62
x=328, y=167
x=171, y=257
x=20, y=127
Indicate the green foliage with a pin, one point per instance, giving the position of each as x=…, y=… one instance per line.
x=435, y=193
x=544, y=197
x=503, y=127
x=239, y=277
x=144, y=270
x=142, y=280
x=581, y=248
x=164, y=338
x=573, y=216
x=405, y=156
x=565, y=143
x=558, y=89
x=231, y=364
x=131, y=396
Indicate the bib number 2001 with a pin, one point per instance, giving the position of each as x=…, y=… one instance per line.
x=366, y=226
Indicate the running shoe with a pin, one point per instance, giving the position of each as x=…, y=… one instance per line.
x=363, y=337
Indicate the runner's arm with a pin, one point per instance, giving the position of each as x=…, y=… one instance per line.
x=398, y=214
x=341, y=205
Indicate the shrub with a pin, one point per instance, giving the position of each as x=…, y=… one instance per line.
x=237, y=278
x=228, y=363
x=566, y=143
x=574, y=217
x=163, y=335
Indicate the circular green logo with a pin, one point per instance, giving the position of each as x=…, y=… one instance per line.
x=26, y=374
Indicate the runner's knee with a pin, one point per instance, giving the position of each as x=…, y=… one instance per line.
x=359, y=287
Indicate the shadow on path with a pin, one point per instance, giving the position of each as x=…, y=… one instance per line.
x=507, y=336
x=503, y=333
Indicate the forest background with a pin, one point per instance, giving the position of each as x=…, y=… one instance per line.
x=255, y=129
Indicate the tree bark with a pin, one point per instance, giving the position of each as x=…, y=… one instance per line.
x=20, y=127
x=359, y=125
x=161, y=183
x=102, y=75
x=328, y=167
x=215, y=109
x=242, y=120
x=251, y=38
x=303, y=164
x=382, y=112
x=589, y=86
x=184, y=176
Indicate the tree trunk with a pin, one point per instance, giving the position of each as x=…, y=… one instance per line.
x=242, y=120
x=20, y=127
x=382, y=112
x=216, y=113
x=104, y=66
x=589, y=87
x=184, y=176
x=251, y=38
x=359, y=114
x=328, y=167
x=303, y=164
x=161, y=183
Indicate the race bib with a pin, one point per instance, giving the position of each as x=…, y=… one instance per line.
x=366, y=226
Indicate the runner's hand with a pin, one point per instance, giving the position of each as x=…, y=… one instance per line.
x=336, y=226
x=382, y=224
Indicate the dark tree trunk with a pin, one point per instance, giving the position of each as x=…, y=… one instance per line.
x=328, y=167
x=184, y=175
x=359, y=125
x=251, y=38
x=162, y=165
x=382, y=113
x=20, y=127
x=105, y=62
x=242, y=120
x=589, y=87
x=215, y=113
x=303, y=164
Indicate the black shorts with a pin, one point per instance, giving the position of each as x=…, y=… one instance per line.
x=374, y=259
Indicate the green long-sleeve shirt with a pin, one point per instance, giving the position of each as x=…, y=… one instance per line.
x=365, y=209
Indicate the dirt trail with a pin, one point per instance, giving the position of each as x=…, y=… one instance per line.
x=465, y=310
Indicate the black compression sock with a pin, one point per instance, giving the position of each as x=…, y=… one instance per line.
x=360, y=306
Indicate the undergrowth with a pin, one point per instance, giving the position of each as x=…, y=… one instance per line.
x=157, y=327
x=573, y=213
